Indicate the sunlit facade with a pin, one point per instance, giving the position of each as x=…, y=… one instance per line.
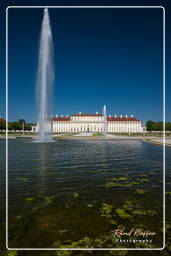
x=93, y=123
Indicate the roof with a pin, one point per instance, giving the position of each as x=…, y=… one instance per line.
x=61, y=118
x=81, y=114
x=112, y=118
x=109, y=118
x=2, y=120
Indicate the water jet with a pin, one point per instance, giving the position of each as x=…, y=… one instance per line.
x=45, y=78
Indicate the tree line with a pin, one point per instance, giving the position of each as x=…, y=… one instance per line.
x=16, y=125
x=157, y=126
x=21, y=123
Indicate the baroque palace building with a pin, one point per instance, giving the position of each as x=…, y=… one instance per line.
x=94, y=123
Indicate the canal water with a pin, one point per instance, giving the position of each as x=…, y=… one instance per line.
x=77, y=193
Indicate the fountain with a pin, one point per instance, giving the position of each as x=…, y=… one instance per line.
x=45, y=80
x=105, y=120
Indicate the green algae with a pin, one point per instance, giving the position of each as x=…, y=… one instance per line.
x=169, y=248
x=61, y=231
x=19, y=217
x=63, y=253
x=139, y=191
x=144, y=180
x=167, y=226
x=168, y=193
x=125, y=182
x=87, y=242
x=89, y=205
x=106, y=210
x=139, y=212
x=75, y=195
x=49, y=199
x=110, y=184
x=34, y=209
x=29, y=198
x=12, y=253
x=122, y=213
x=120, y=178
x=22, y=179
x=113, y=222
x=143, y=175
x=152, y=173
x=128, y=206
x=130, y=184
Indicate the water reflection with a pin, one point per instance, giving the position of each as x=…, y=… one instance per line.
x=44, y=177
x=43, y=167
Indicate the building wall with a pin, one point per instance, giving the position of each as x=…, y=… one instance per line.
x=94, y=125
x=77, y=126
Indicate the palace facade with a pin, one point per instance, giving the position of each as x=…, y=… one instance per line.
x=94, y=123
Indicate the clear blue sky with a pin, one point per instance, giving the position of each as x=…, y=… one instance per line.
x=102, y=56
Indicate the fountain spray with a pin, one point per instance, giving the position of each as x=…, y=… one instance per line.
x=105, y=120
x=45, y=80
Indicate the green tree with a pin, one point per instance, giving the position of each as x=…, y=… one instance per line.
x=28, y=126
x=157, y=126
x=168, y=126
x=150, y=125
x=2, y=125
x=14, y=126
x=21, y=121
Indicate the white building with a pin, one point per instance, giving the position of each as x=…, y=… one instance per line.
x=94, y=123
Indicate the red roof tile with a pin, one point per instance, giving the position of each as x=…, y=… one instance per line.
x=112, y=118
x=2, y=120
x=86, y=114
x=60, y=118
x=109, y=118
